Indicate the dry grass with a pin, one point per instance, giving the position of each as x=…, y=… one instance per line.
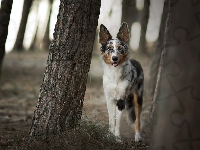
x=88, y=136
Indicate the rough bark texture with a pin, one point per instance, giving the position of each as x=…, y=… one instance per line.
x=144, y=22
x=46, y=41
x=62, y=92
x=18, y=46
x=177, y=125
x=5, y=10
x=129, y=12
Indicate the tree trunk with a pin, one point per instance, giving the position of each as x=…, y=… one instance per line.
x=32, y=46
x=177, y=124
x=33, y=42
x=144, y=22
x=162, y=61
x=129, y=12
x=5, y=10
x=39, y=37
x=18, y=46
x=62, y=92
x=46, y=41
x=156, y=56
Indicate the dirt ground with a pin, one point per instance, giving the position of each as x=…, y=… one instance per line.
x=22, y=75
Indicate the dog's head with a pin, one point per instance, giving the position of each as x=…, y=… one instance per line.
x=114, y=51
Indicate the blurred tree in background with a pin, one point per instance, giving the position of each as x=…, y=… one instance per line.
x=33, y=46
x=130, y=13
x=5, y=10
x=20, y=35
x=46, y=40
x=38, y=38
x=41, y=40
x=144, y=22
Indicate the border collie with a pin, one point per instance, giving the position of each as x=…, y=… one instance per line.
x=122, y=80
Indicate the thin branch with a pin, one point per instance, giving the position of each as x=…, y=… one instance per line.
x=161, y=65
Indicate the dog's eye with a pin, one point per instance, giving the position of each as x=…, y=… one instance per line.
x=110, y=50
x=121, y=49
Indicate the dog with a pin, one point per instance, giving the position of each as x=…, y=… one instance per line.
x=122, y=80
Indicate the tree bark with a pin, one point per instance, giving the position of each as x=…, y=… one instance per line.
x=18, y=46
x=62, y=92
x=46, y=41
x=5, y=10
x=177, y=123
x=144, y=22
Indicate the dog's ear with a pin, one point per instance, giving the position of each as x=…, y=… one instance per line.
x=104, y=35
x=123, y=33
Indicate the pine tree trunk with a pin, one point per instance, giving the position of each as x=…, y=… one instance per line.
x=46, y=41
x=177, y=123
x=144, y=22
x=5, y=10
x=18, y=46
x=62, y=92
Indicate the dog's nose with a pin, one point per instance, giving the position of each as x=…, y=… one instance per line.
x=114, y=58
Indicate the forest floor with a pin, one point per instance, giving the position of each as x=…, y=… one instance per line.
x=22, y=75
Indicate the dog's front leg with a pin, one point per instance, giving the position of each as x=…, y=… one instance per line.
x=111, y=106
x=118, y=121
x=121, y=102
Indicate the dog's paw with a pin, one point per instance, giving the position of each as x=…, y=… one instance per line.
x=121, y=104
x=138, y=137
x=118, y=139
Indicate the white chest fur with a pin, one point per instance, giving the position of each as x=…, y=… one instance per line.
x=114, y=86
